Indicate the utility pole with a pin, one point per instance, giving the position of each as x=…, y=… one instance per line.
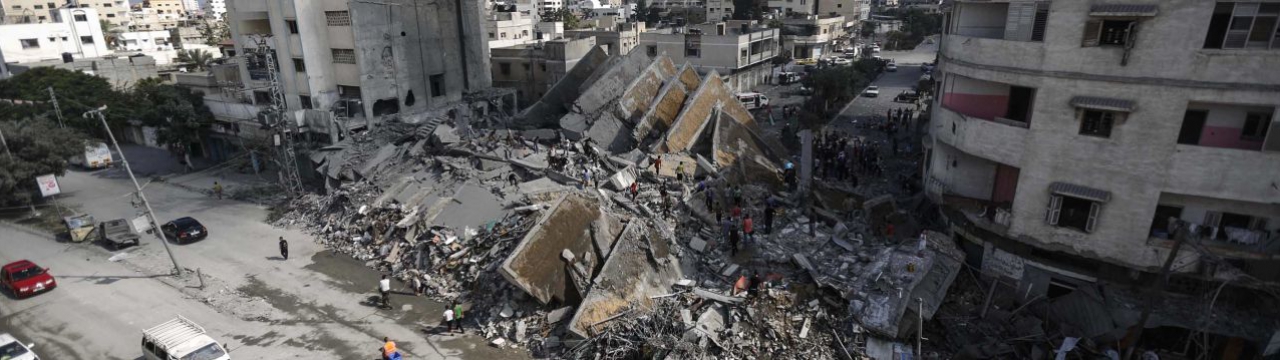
x=56, y=110
x=290, y=180
x=6, y=145
x=1179, y=237
x=155, y=224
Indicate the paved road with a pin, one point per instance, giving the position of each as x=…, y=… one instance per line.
x=263, y=307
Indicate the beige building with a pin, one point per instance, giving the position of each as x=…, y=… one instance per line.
x=1071, y=140
x=532, y=69
x=617, y=38
x=113, y=11
x=811, y=36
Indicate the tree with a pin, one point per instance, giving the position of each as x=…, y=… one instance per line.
x=570, y=20
x=77, y=93
x=38, y=148
x=214, y=32
x=199, y=58
x=179, y=114
x=642, y=10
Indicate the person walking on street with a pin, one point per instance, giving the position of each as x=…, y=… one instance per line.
x=384, y=287
x=217, y=190
x=284, y=248
x=457, y=315
x=448, y=319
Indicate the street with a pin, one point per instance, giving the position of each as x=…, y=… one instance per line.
x=258, y=304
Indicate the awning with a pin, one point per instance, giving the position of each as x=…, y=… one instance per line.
x=1101, y=103
x=1123, y=10
x=1080, y=191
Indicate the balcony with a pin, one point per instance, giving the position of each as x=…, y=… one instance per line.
x=1223, y=173
x=994, y=140
x=996, y=52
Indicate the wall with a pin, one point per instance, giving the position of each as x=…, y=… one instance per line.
x=977, y=98
x=971, y=177
x=980, y=20
x=10, y=36
x=1195, y=207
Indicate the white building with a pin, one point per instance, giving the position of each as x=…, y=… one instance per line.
x=144, y=41
x=719, y=10
x=216, y=8
x=544, y=5
x=74, y=31
x=192, y=5
x=811, y=36
x=740, y=50
x=113, y=11
x=1067, y=136
x=509, y=28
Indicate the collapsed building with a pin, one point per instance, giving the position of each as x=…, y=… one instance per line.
x=577, y=227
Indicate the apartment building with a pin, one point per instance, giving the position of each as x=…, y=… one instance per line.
x=509, y=28
x=811, y=36
x=534, y=68
x=740, y=50
x=851, y=10
x=365, y=60
x=719, y=10
x=114, y=12
x=216, y=9
x=618, y=38
x=74, y=31
x=1073, y=143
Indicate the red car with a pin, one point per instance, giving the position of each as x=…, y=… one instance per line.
x=23, y=278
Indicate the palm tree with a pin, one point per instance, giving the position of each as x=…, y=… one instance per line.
x=197, y=57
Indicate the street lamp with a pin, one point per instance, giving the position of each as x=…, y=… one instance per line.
x=164, y=240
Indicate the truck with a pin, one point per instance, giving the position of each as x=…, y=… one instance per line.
x=117, y=234
x=180, y=339
x=95, y=156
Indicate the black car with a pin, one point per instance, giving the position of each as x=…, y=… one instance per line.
x=184, y=230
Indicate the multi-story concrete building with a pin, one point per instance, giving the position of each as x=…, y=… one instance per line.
x=68, y=30
x=741, y=50
x=149, y=19
x=853, y=11
x=719, y=10
x=534, y=68
x=811, y=36
x=617, y=38
x=545, y=5
x=509, y=28
x=144, y=40
x=216, y=9
x=113, y=11
x=168, y=8
x=1067, y=139
x=366, y=60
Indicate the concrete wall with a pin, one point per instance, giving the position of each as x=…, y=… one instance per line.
x=121, y=72
x=1167, y=72
x=666, y=107
x=965, y=175
x=1225, y=123
x=1195, y=207
x=711, y=97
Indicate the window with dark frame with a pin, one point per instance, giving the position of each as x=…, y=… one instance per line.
x=437, y=85
x=651, y=50
x=80, y=17
x=305, y=101
x=293, y=26
x=1115, y=32
x=504, y=68
x=86, y=39
x=1073, y=213
x=30, y=43
x=299, y=65
x=1243, y=25
x=1097, y=123
x=1255, y=126
x=344, y=56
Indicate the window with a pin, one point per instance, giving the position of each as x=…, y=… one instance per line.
x=839, y=5
x=54, y=6
x=86, y=39
x=348, y=92
x=17, y=7
x=543, y=66
x=261, y=98
x=1107, y=32
x=39, y=7
x=504, y=68
x=111, y=15
x=526, y=66
x=1097, y=123
x=81, y=17
x=437, y=85
x=337, y=18
x=490, y=35
x=651, y=50
x=299, y=65
x=1072, y=212
x=1255, y=126
x=305, y=101
x=106, y=5
x=41, y=18
x=30, y=43
x=344, y=56
x=1041, y=21
x=293, y=26
x=1244, y=26
x=503, y=35
x=692, y=52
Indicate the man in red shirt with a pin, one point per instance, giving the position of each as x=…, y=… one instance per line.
x=747, y=228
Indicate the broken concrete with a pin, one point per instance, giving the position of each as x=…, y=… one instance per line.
x=564, y=226
x=628, y=279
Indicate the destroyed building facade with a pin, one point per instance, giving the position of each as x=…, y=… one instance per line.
x=364, y=61
x=1078, y=145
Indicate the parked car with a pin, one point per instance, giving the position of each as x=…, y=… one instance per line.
x=807, y=61
x=184, y=230
x=891, y=67
x=24, y=278
x=871, y=91
x=12, y=349
x=907, y=96
x=753, y=100
x=785, y=78
x=117, y=234
x=841, y=62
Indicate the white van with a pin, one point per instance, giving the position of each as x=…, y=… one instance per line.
x=180, y=339
x=753, y=100
x=95, y=156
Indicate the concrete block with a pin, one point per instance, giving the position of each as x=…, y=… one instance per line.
x=732, y=269
x=627, y=275
x=563, y=227
x=698, y=244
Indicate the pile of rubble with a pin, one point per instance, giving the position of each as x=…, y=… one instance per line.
x=596, y=224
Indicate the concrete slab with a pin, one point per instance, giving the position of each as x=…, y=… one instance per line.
x=531, y=265
x=628, y=279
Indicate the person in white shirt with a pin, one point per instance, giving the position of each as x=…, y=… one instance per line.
x=384, y=287
x=448, y=318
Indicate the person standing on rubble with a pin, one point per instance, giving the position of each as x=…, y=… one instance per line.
x=734, y=239
x=748, y=228
x=635, y=190
x=680, y=172
x=768, y=216
x=284, y=248
x=384, y=287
